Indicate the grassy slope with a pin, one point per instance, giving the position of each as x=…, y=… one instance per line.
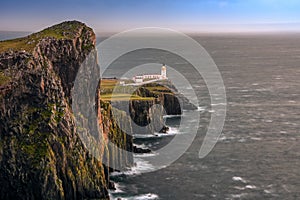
x=110, y=85
x=123, y=97
x=59, y=31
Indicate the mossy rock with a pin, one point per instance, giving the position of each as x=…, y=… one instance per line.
x=3, y=78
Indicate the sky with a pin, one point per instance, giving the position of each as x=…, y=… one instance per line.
x=181, y=15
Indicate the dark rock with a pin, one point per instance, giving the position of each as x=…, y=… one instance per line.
x=165, y=129
x=111, y=185
x=140, y=150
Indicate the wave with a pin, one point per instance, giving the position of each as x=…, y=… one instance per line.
x=251, y=187
x=171, y=116
x=201, y=109
x=149, y=196
x=219, y=104
x=144, y=155
x=224, y=138
x=239, y=196
x=240, y=179
x=118, y=189
x=155, y=135
x=172, y=131
x=141, y=166
x=142, y=146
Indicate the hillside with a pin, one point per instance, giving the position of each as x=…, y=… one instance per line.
x=41, y=154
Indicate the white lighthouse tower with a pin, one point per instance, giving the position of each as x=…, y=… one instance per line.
x=164, y=72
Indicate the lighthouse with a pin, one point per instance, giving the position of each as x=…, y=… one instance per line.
x=164, y=72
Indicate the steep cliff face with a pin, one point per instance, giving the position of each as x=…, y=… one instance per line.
x=117, y=124
x=155, y=100
x=41, y=154
x=168, y=96
x=146, y=116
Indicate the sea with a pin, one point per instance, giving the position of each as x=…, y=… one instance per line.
x=257, y=155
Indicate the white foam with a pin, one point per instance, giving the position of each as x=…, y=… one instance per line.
x=117, y=190
x=218, y=104
x=250, y=187
x=262, y=90
x=268, y=191
x=237, y=178
x=155, y=135
x=238, y=196
x=142, y=146
x=144, y=155
x=222, y=138
x=225, y=138
x=239, y=188
x=171, y=131
x=242, y=140
x=283, y=132
x=149, y=196
x=171, y=116
x=269, y=121
x=201, y=108
x=141, y=166
x=255, y=138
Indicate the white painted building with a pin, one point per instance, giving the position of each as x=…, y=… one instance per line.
x=161, y=76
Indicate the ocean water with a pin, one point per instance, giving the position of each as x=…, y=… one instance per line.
x=258, y=154
x=7, y=35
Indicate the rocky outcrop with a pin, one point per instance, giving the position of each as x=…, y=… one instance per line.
x=41, y=154
x=168, y=96
x=147, y=114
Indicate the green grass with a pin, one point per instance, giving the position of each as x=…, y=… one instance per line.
x=65, y=30
x=3, y=79
x=123, y=93
x=158, y=88
x=123, y=97
x=109, y=86
x=109, y=83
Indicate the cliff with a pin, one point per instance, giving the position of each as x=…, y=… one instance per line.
x=118, y=126
x=162, y=97
x=41, y=154
x=146, y=120
x=168, y=96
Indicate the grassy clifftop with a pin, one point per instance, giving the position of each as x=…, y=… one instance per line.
x=65, y=30
x=111, y=90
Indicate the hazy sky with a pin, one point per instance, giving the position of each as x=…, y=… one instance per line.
x=182, y=15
